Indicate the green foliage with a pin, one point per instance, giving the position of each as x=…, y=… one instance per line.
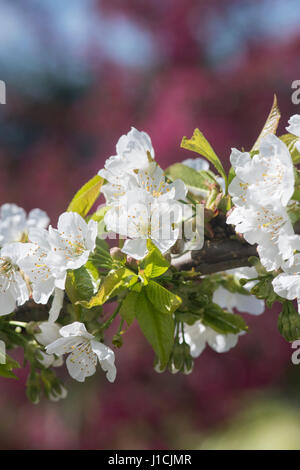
x=85, y=198
x=109, y=285
x=157, y=327
x=289, y=322
x=264, y=290
x=128, y=307
x=6, y=370
x=164, y=300
x=199, y=144
x=101, y=257
x=223, y=322
x=154, y=264
x=195, y=180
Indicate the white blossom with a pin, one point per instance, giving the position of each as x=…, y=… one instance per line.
x=139, y=216
x=84, y=351
x=15, y=224
x=267, y=178
x=134, y=152
x=269, y=227
x=235, y=300
x=287, y=284
x=243, y=303
x=197, y=336
x=13, y=287
x=71, y=243
x=37, y=266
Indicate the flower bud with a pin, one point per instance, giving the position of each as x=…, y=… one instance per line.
x=117, y=254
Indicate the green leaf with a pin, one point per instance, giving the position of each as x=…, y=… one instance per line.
x=231, y=175
x=154, y=264
x=5, y=372
x=128, y=307
x=110, y=284
x=198, y=143
x=6, y=369
x=271, y=124
x=232, y=284
x=195, y=180
x=157, y=328
x=164, y=300
x=98, y=216
x=82, y=283
x=223, y=322
x=101, y=257
x=289, y=322
x=290, y=141
x=294, y=211
x=264, y=290
x=85, y=198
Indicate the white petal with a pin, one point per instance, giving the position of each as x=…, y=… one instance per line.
x=48, y=334
x=106, y=358
x=75, y=329
x=81, y=364
x=57, y=304
x=7, y=302
x=136, y=248
x=221, y=343
x=63, y=345
x=38, y=218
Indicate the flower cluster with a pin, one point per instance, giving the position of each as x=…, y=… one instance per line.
x=143, y=205
x=38, y=266
x=262, y=192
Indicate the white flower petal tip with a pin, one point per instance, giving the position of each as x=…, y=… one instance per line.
x=294, y=125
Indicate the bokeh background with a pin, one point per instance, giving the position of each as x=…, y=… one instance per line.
x=79, y=73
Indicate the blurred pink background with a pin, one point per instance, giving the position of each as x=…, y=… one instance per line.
x=78, y=76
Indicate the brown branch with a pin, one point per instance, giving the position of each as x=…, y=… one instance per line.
x=216, y=256
x=219, y=255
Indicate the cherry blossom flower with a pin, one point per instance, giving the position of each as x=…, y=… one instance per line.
x=71, y=243
x=140, y=217
x=14, y=223
x=234, y=300
x=84, y=351
x=134, y=152
x=267, y=178
x=269, y=227
x=197, y=336
x=13, y=287
x=37, y=266
x=287, y=284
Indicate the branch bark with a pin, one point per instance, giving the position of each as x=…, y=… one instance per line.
x=219, y=255
x=216, y=256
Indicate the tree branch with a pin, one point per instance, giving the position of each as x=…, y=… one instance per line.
x=216, y=256
x=219, y=255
